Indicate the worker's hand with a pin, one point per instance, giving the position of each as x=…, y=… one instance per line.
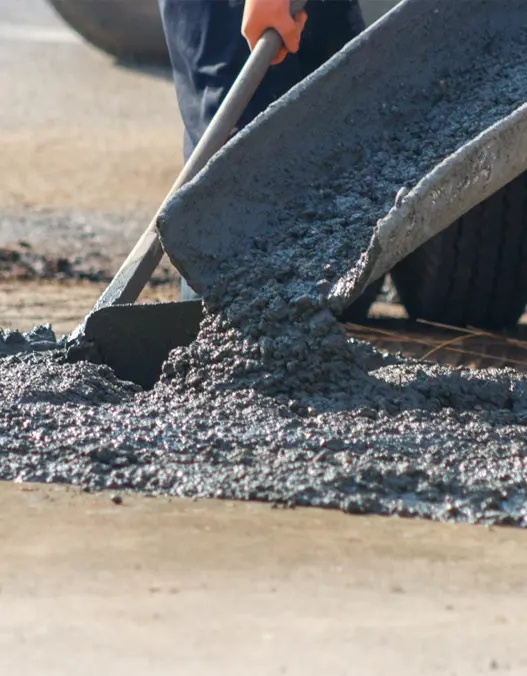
x=258, y=15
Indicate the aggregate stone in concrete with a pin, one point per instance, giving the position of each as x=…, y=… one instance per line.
x=272, y=401
x=414, y=439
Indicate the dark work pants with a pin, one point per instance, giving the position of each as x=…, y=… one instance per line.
x=207, y=52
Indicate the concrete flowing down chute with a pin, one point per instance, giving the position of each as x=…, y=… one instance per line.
x=257, y=182
x=341, y=121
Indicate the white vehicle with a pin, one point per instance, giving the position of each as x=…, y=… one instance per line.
x=128, y=29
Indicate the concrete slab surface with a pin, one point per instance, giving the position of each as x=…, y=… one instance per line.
x=163, y=587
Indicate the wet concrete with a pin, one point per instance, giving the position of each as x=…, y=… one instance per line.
x=416, y=440
x=40, y=339
x=272, y=402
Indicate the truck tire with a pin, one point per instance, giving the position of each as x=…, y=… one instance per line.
x=358, y=311
x=474, y=273
x=131, y=30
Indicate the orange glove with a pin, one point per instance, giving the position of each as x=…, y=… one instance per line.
x=258, y=15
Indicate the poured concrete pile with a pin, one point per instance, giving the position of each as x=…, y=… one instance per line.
x=271, y=401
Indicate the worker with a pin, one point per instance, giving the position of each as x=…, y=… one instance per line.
x=209, y=42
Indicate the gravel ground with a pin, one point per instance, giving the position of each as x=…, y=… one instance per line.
x=272, y=402
x=86, y=245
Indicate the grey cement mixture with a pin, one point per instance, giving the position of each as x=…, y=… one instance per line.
x=272, y=402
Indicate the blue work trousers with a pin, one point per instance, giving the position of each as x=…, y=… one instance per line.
x=207, y=52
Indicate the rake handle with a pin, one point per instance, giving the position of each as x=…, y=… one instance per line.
x=142, y=261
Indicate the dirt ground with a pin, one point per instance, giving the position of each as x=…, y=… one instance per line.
x=64, y=304
x=159, y=586
x=90, y=148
